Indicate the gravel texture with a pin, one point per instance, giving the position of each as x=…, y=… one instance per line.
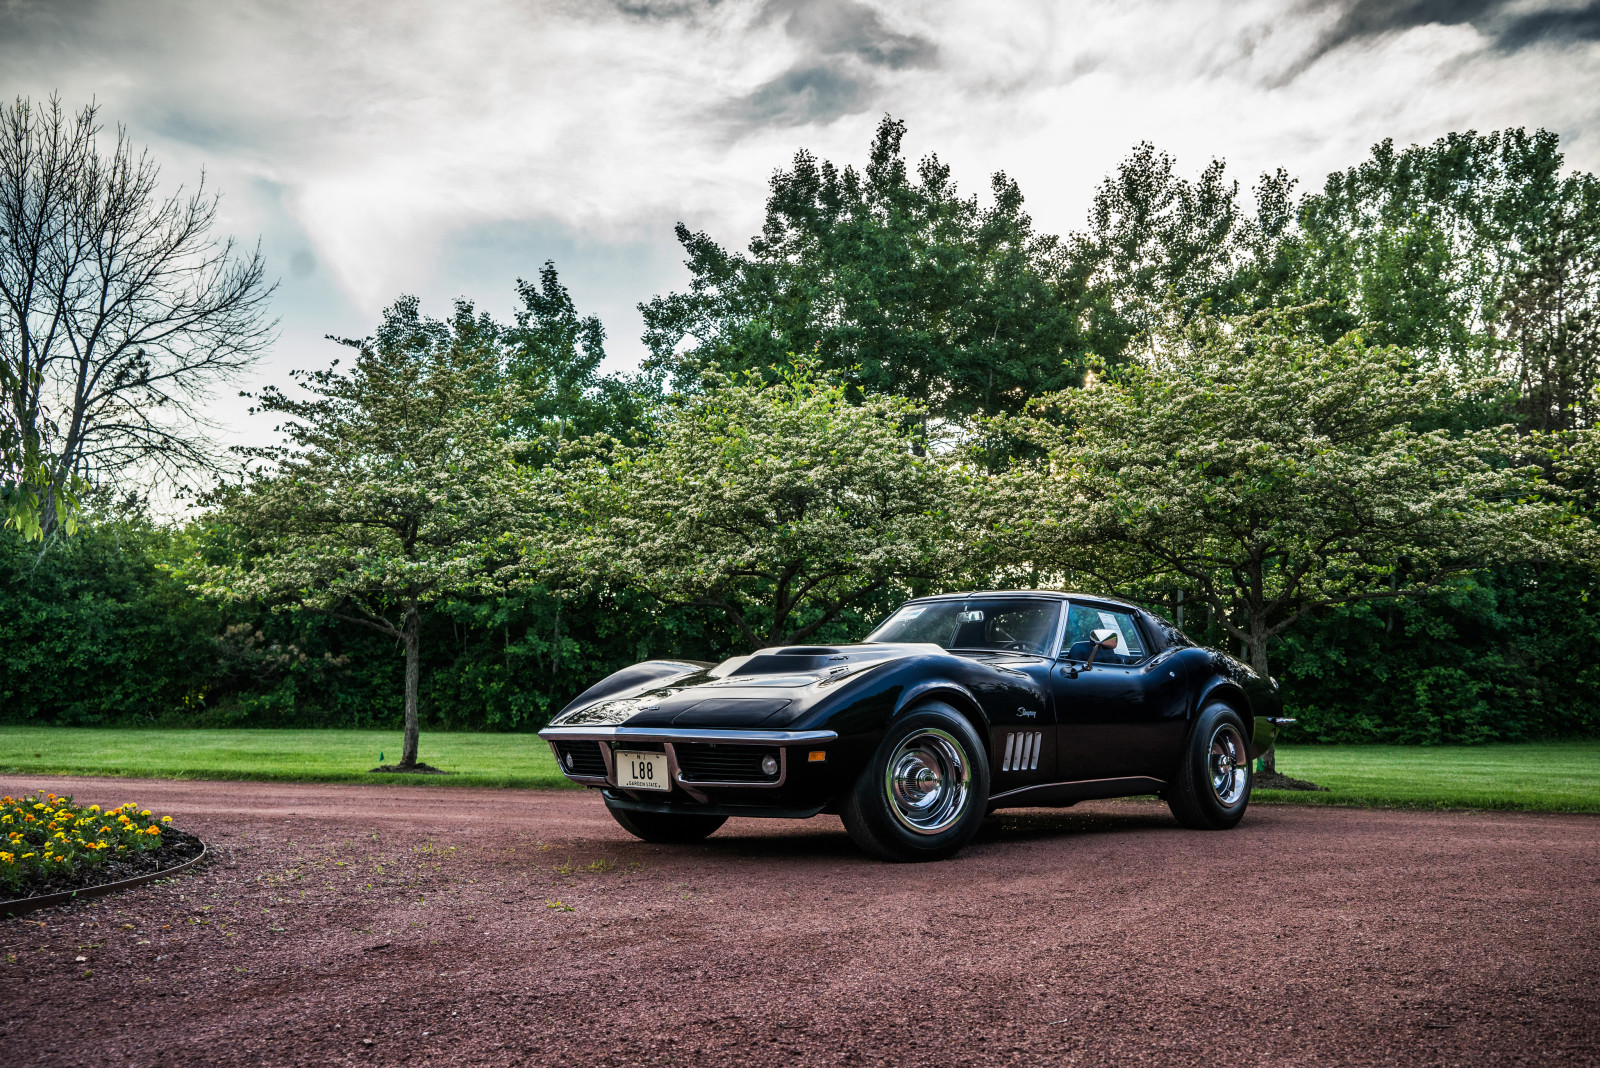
x=383, y=925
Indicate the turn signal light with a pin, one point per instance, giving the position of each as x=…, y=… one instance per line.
x=817, y=755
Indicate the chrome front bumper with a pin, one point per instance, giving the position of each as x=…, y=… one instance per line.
x=667, y=736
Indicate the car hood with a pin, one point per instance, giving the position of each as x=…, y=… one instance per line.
x=768, y=688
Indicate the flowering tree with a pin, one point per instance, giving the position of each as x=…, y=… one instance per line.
x=398, y=489
x=1270, y=474
x=781, y=506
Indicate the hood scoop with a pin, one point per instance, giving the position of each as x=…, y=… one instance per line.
x=797, y=661
x=731, y=712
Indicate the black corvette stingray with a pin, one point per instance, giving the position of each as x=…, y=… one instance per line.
x=955, y=706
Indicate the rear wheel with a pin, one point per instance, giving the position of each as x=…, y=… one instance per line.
x=922, y=795
x=1212, y=787
x=665, y=827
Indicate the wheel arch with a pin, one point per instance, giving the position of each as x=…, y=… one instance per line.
x=1226, y=691
x=957, y=697
x=1223, y=691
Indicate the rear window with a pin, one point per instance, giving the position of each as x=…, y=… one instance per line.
x=1012, y=624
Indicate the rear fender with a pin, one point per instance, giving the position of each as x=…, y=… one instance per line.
x=1228, y=692
x=1263, y=730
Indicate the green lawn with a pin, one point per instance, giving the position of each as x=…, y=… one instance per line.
x=1561, y=777
x=1554, y=778
x=281, y=755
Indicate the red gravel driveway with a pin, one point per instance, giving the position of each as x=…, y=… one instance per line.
x=383, y=925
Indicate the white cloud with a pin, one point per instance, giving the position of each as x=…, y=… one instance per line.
x=386, y=145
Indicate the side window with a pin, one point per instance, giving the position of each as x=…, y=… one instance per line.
x=1084, y=619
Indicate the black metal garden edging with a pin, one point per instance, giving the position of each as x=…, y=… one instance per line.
x=43, y=901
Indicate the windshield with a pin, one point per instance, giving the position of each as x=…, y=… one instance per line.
x=1013, y=624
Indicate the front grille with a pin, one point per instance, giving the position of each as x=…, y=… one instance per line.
x=704, y=762
x=581, y=758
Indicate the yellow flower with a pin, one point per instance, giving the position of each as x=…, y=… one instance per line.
x=94, y=808
x=166, y=819
x=40, y=807
x=25, y=856
x=8, y=858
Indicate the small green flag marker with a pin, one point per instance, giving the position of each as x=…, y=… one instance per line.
x=380, y=758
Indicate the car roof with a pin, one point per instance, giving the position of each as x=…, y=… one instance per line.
x=1049, y=595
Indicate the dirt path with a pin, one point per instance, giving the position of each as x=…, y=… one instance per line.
x=384, y=925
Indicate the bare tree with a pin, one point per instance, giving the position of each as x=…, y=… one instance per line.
x=119, y=311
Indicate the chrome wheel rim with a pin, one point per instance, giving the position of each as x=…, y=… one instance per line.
x=1229, y=764
x=929, y=781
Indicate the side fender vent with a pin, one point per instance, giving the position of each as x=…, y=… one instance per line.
x=1022, y=751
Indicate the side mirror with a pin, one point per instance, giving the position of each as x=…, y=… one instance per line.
x=1103, y=638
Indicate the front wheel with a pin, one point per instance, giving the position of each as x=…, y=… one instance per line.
x=670, y=828
x=1212, y=787
x=922, y=795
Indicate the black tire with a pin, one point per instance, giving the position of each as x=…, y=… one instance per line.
x=935, y=804
x=669, y=828
x=1215, y=775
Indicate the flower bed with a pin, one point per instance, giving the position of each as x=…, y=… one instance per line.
x=50, y=844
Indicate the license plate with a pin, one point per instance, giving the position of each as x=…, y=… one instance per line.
x=642, y=771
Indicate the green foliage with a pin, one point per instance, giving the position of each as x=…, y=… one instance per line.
x=95, y=631
x=1270, y=475
x=398, y=489
x=1157, y=242
x=1505, y=654
x=100, y=631
x=1292, y=473
x=554, y=357
x=897, y=283
x=783, y=506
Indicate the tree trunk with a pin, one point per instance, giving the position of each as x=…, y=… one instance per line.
x=1258, y=663
x=413, y=640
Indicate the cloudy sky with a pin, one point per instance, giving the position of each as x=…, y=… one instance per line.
x=446, y=148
